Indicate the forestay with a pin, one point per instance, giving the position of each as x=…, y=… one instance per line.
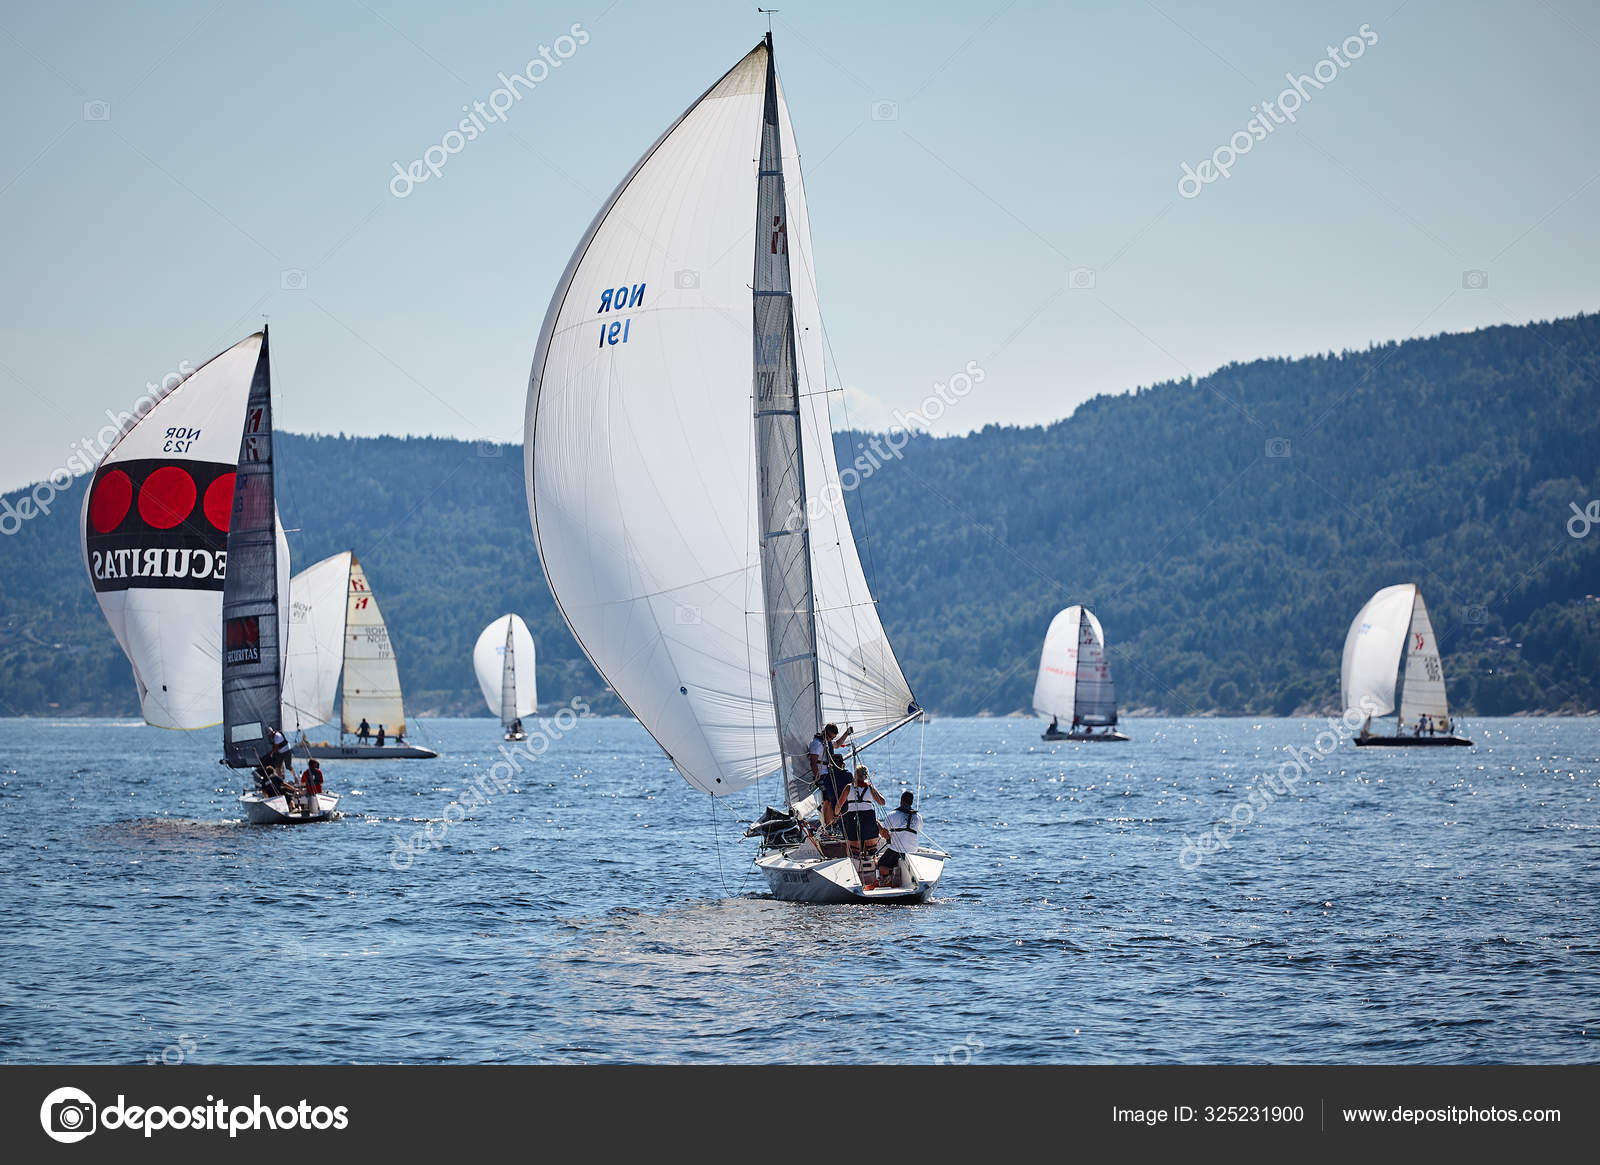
x=654, y=481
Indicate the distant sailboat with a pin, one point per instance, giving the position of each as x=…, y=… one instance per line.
x=503, y=661
x=335, y=628
x=680, y=474
x=154, y=536
x=1074, y=681
x=1392, y=667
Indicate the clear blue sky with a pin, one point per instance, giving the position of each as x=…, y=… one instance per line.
x=243, y=143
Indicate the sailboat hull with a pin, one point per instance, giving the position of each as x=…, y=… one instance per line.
x=365, y=752
x=259, y=810
x=834, y=881
x=1086, y=737
x=1412, y=742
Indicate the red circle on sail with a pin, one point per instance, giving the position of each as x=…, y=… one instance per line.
x=219, y=502
x=113, y=496
x=167, y=497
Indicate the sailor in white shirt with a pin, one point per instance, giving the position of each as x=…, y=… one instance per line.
x=903, y=825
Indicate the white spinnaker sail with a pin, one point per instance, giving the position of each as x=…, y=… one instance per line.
x=315, y=645
x=1421, y=688
x=1372, y=651
x=1097, y=698
x=1055, y=692
x=488, y=664
x=371, y=675
x=153, y=532
x=641, y=461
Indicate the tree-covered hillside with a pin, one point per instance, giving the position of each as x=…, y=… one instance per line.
x=1225, y=531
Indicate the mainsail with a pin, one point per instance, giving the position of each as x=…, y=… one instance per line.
x=154, y=535
x=503, y=661
x=314, y=654
x=1074, y=679
x=681, y=479
x=371, y=675
x=508, y=679
x=251, y=631
x=1391, y=659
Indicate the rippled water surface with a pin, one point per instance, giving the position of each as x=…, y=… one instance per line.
x=1398, y=906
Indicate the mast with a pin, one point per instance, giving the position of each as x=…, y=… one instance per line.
x=789, y=600
x=251, y=662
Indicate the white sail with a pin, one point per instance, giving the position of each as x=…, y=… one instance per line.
x=1420, y=691
x=508, y=679
x=1096, y=701
x=1055, y=691
x=1373, y=649
x=371, y=675
x=315, y=652
x=154, y=529
x=646, y=475
x=488, y=663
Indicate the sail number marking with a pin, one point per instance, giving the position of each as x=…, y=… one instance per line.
x=621, y=298
x=179, y=440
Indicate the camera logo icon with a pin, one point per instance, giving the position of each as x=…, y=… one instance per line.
x=97, y=111
x=1474, y=280
x=1478, y=615
x=885, y=111
x=487, y=448
x=1278, y=447
x=293, y=279
x=68, y=1115
x=686, y=280
x=686, y=615
x=1081, y=279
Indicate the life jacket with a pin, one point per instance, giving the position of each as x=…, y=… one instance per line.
x=859, y=799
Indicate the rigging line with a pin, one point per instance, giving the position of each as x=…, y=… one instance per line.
x=922, y=741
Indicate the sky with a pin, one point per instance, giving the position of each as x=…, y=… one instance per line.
x=994, y=184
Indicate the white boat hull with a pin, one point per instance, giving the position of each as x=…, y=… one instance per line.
x=276, y=811
x=835, y=880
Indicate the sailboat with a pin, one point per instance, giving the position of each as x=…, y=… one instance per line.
x=1392, y=667
x=505, y=649
x=335, y=628
x=679, y=464
x=253, y=618
x=1074, y=681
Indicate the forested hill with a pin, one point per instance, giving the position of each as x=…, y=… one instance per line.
x=1225, y=531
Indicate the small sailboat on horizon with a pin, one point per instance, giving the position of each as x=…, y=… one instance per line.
x=681, y=482
x=1392, y=667
x=1074, y=682
x=337, y=636
x=504, y=652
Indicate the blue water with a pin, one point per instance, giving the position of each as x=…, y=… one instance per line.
x=1412, y=906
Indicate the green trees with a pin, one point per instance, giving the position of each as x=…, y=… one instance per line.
x=1225, y=531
